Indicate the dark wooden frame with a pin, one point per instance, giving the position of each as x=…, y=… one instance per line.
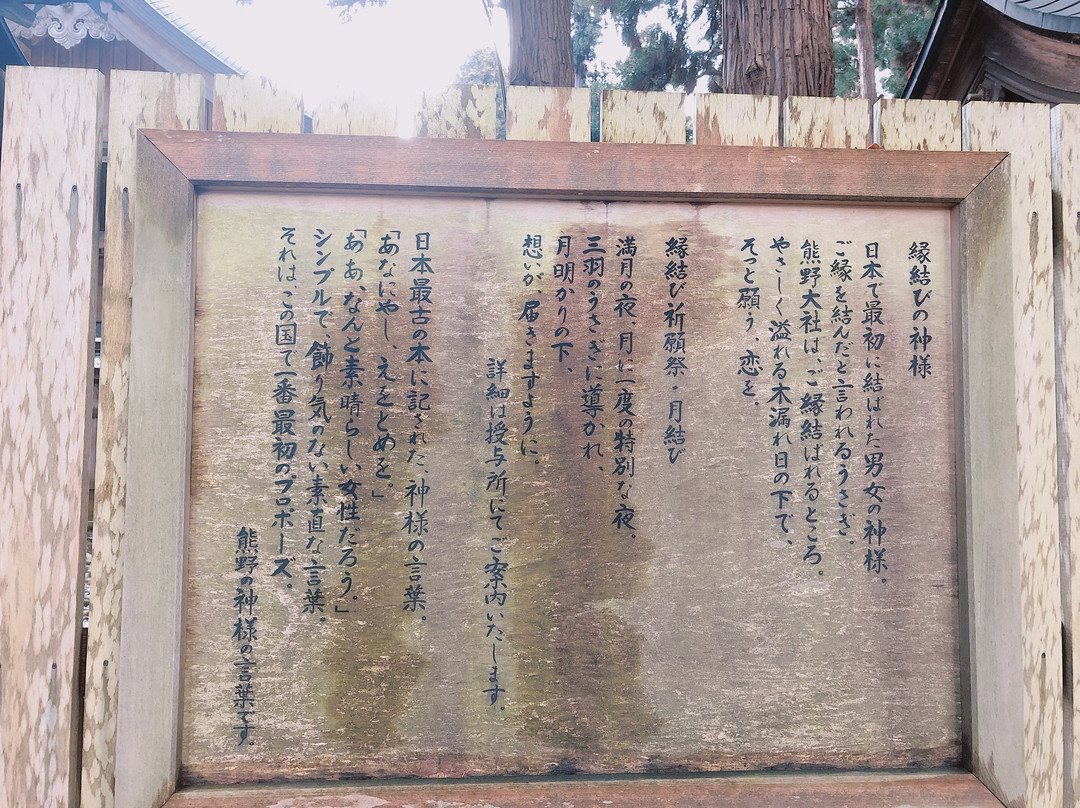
x=174, y=166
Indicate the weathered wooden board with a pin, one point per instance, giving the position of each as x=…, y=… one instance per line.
x=918, y=124
x=169, y=645
x=1065, y=134
x=630, y=116
x=580, y=170
x=50, y=168
x=462, y=111
x=159, y=414
x=939, y=789
x=354, y=116
x=724, y=119
x=547, y=113
x=1016, y=631
x=137, y=100
x=254, y=104
x=829, y=123
x=513, y=536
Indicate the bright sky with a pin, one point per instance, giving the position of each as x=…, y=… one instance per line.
x=389, y=54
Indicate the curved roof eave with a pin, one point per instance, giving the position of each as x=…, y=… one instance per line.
x=943, y=17
x=155, y=16
x=1060, y=16
x=10, y=53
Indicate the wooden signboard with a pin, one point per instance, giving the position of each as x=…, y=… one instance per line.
x=477, y=459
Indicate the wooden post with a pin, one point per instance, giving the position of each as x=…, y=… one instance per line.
x=627, y=116
x=547, y=113
x=1016, y=626
x=159, y=413
x=254, y=104
x=136, y=100
x=737, y=120
x=1065, y=135
x=827, y=123
x=51, y=160
x=463, y=111
x=917, y=125
x=353, y=116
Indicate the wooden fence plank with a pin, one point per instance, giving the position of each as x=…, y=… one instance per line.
x=50, y=167
x=246, y=105
x=827, y=123
x=737, y=120
x=917, y=124
x=1018, y=662
x=547, y=113
x=1065, y=134
x=136, y=100
x=254, y=104
x=462, y=111
x=353, y=116
x=627, y=116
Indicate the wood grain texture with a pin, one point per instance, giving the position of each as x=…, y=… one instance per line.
x=1035, y=655
x=137, y=100
x=917, y=124
x=353, y=116
x=254, y=104
x=547, y=113
x=939, y=789
x=1065, y=135
x=829, y=123
x=462, y=111
x=630, y=116
x=159, y=413
x=987, y=479
x=50, y=168
x=335, y=719
x=724, y=119
x=573, y=170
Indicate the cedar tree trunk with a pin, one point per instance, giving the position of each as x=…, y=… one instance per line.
x=864, y=44
x=778, y=47
x=540, y=51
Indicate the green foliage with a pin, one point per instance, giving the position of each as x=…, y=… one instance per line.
x=899, y=28
x=684, y=46
x=347, y=6
x=585, y=31
x=480, y=68
x=596, y=93
x=847, y=63
x=670, y=43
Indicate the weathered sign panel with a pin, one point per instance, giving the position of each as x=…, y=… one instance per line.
x=527, y=486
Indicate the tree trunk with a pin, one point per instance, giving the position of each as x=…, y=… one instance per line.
x=864, y=44
x=778, y=47
x=540, y=49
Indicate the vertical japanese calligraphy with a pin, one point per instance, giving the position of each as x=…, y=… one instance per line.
x=244, y=632
x=676, y=272
x=504, y=486
x=496, y=400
